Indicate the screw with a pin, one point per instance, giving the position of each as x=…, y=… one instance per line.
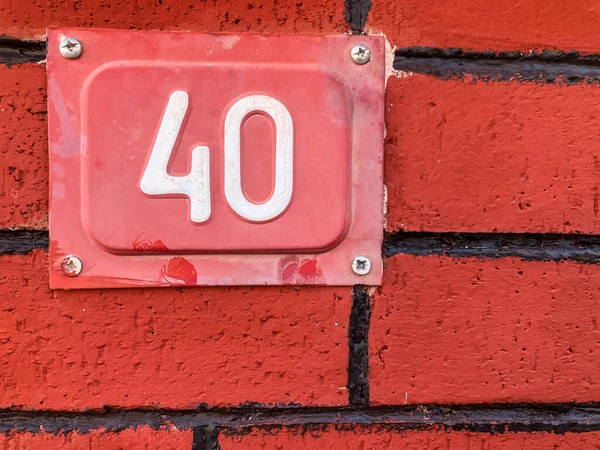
x=71, y=266
x=70, y=48
x=360, y=54
x=361, y=265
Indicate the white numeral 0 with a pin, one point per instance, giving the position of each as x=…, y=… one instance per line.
x=282, y=194
x=196, y=185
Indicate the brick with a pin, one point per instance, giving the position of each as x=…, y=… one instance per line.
x=483, y=25
x=170, y=348
x=460, y=155
x=473, y=156
x=23, y=147
x=257, y=16
x=130, y=439
x=382, y=437
x=446, y=330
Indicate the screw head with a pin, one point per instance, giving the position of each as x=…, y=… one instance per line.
x=70, y=48
x=360, y=54
x=361, y=265
x=71, y=266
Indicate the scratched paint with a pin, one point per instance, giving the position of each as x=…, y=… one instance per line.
x=149, y=246
x=296, y=270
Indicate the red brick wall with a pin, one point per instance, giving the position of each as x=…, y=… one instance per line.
x=485, y=331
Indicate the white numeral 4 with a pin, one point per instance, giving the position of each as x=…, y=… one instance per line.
x=156, y=180
x=196, y=185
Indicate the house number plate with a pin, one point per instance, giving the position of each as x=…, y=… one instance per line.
x=195, y=159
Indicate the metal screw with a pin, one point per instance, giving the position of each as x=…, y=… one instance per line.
x=360, y=54
x=361, y=265
x=70, y=48
x=71, y=266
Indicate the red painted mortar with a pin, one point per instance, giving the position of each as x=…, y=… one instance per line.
x=446, y=330
x=362, y=438
x=131, y=439
x=474, y=156
x=257, y=16
x=169, y=348
x=461, y=156
x=483, y=25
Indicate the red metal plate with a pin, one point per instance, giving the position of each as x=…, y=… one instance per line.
x=304, y=120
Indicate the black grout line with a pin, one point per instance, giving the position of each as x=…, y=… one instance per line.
x=544, y=56
x=532, y=247
x=542, y=67
x=484, y=418
x=18, y=51
x=569, y=67
x=357, y=12
x=358, y=347
x=22, y=241
x=205, y=438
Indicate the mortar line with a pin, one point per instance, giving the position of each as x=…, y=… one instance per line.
x=528, y=247
x=358, y=347
x=541, y=67
x=493, y=418
x=19, y=51
x=357, y=13
x=205, y=438
x=533, y=247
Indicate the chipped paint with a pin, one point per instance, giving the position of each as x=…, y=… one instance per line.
x=179, y=271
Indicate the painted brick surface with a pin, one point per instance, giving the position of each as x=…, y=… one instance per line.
x=460, y=155
x=23, y=147
x=130, y=439
x=258, y=16
x=473, y=156
x=481, y=25
x=170, y=348
x=381, y=437
x=447, y=330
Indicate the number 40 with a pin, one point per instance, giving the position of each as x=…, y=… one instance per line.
x=196, y=185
